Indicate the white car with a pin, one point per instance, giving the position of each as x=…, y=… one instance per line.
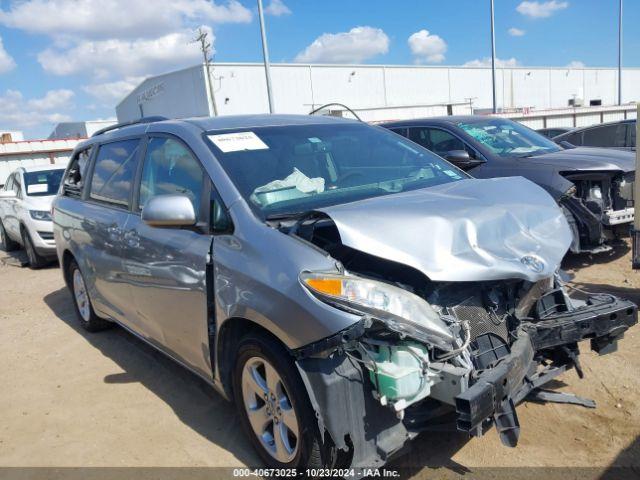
x=25, y=212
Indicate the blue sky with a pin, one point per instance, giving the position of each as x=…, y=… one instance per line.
x=66, y=60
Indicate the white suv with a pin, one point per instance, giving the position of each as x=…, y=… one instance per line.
x=25, y=206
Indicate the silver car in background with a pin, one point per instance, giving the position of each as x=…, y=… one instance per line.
x=344, y=286
x=25, y=212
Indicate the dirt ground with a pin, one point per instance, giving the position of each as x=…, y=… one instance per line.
x=74, y=399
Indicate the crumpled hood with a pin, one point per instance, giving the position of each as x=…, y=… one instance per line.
x=469, y=230
x=588, y=158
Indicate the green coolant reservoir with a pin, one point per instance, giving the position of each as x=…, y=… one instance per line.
x=398, y=373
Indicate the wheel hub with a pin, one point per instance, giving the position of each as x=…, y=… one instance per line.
x=269, y=410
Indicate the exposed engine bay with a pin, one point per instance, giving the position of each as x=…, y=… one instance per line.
x=598, y=208
x=470, y=352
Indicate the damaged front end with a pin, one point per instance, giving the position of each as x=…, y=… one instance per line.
x=428, y=354
x=599, y=208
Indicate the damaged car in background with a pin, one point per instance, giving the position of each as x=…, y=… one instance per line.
x=347, y=288
x=594, y=186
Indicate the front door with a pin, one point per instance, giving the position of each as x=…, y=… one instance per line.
x=166, y=267
x=105, y=215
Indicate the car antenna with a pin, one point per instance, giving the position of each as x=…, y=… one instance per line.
x=313, y=112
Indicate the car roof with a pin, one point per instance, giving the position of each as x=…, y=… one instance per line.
x=263, y=120
x=579, y=129
x=450, y=119
x=41, y=168
x=224, y=122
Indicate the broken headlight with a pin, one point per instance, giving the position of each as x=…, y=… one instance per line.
x=400, y=310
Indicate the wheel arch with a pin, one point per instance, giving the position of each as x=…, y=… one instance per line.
x=231, y=332
x=67, y=257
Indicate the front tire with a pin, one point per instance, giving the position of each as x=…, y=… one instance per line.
x=274, y=408
x=35, y=259
x=81, y=301
x=6, y=244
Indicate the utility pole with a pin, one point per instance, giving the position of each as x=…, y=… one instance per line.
x=470, y=100
x=205, y=46
x=265, y=54
x=620, y=53
x=493, y=60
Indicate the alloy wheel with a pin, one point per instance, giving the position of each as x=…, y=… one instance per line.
x=81, y=297
x=269, y=409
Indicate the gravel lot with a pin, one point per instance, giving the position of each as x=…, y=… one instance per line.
x=73, y=399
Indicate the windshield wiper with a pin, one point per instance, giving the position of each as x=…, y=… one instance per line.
x=284, y=215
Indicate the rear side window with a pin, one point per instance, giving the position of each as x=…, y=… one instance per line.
x=606, y=136
x=574, y=139
x=75, y=177
x=631, y=135
x=114, y=172
x=170, y=169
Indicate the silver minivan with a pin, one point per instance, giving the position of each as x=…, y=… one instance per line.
x=345, y=287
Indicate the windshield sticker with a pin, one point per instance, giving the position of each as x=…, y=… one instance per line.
x=37, y=188
x=315, y=140
x=452, y=174
x=237, y=142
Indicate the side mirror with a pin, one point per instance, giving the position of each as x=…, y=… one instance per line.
x=462, y=160
x=169, y=211
x=566, y=145
x=7, y=194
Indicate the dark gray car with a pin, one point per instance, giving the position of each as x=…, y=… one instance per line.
x=553, y=131
x=620, y=135
x=593, y=186
x=344, y=286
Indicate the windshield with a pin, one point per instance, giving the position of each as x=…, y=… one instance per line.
x=43, y=183
x=507, y=138
x=296, y=168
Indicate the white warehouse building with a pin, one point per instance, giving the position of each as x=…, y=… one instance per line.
x=376, y=92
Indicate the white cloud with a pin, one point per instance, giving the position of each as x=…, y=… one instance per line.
x=516, y=32
x=541, y=9
x=354, y=46
x=18, y=112
x=426, y=47
x=576, y=64
x=277, y=8
x=110, y=93
x=6, y=61
x=97, y=19
x=104, y=58
x=486, y=62
x=53, y=100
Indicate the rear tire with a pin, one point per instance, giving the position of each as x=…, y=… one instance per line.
x=264, y=370
x=6, y=244
x=35, y=259
x=81, y=301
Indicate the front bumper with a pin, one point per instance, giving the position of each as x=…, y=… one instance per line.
x=617, y=217
x=41, y=232
x=488, y=398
